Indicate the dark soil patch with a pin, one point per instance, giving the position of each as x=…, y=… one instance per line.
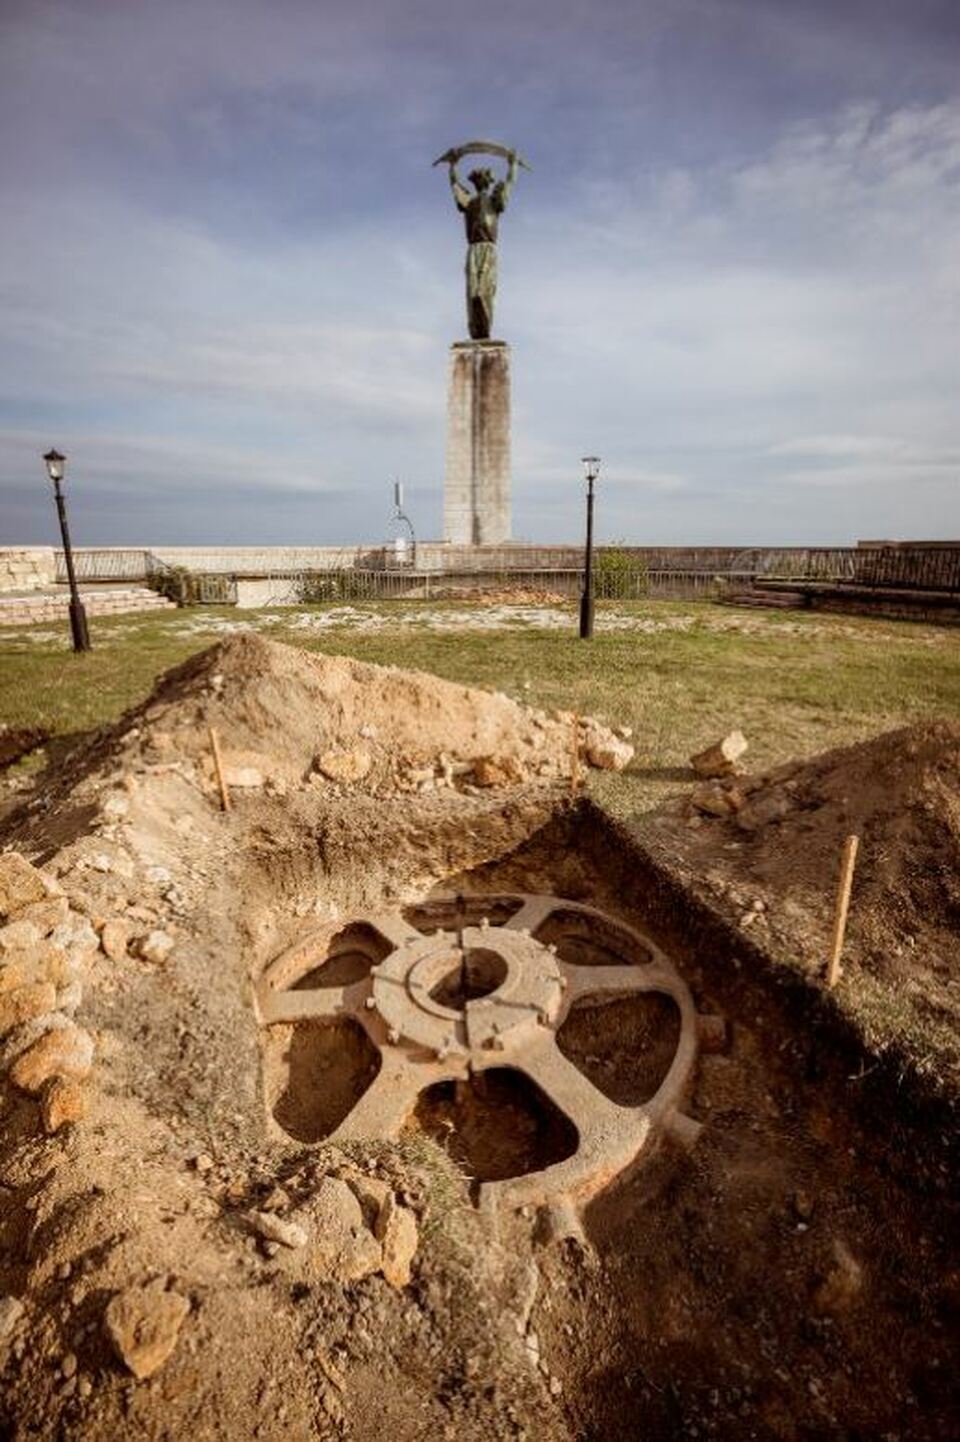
x=326, y=1068
x=496, y=1125
x=624, y=1045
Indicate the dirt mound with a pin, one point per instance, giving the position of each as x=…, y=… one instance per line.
x=769, y=848
x=286, y=717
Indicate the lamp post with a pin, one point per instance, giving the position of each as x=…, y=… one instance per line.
x=591, y=466
x=56, y=466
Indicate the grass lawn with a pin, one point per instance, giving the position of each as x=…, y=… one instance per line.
x=679, y=673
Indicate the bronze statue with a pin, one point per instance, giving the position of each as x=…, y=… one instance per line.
x=481, y=212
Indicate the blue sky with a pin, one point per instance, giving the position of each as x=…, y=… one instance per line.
x=229, y=276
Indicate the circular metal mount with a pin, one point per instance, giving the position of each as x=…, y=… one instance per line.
x=514, y=965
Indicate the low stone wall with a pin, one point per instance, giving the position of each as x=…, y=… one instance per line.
x=27, y=568
x=29, y=610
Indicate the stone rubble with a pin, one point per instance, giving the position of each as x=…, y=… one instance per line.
x=721, y=758
x=396, y=1231
x=144, y=1322
x=45, y=953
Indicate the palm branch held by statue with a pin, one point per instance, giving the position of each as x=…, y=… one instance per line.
x=481, y=212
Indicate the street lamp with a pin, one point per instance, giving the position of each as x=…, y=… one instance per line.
x=591, y=467
x=56, y=466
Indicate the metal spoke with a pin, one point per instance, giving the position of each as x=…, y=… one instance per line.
x=318, y=1004
x=533, y=913
x=392, y=927
x=604, y=980
x=390, y=1097
x=567, y=1087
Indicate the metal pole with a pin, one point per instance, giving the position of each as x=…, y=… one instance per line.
x=586, y=600
x=78, y=617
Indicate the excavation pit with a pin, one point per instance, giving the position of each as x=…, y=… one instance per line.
x=547, y=1044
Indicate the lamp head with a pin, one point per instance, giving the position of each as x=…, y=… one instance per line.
x=56, y=465
x=591, y=467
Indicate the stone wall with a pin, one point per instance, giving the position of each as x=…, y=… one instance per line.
x=26, y=568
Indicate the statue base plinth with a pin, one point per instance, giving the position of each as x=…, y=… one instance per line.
x=476, y=496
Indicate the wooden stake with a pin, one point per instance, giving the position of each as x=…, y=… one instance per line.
x=575, y=756
x=848, y=861
x=218, y=767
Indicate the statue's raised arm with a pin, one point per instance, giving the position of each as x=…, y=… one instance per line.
x=501, y=191
x=461, y=195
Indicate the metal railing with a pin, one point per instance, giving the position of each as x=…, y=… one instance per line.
x=104, y=565
x=620, y=573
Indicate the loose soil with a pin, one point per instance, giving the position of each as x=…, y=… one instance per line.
x=773, y=866
x=795, y=1276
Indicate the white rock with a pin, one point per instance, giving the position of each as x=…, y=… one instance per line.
x=608, y=753
x=396, y=1231
x=278, y=1229
x=243, y=777
x=342, y=1249
x=156, y=946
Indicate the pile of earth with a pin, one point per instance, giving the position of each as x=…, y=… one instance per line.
x=286, y=718
x=166, y=1267
x=768, y=848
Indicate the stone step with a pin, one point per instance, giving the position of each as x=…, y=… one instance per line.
x=32, y=610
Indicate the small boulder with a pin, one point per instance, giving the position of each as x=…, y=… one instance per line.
x=156, y=946
x=607, y=752
x=370, y=1192
x=710, y=800
x=279, y=1229
x=22, y=1038
x=66, y=1051
x=763, y=808
x=720, y=759
x=396, y=1231
x=20, y=883
x=63, y=1103
x=496, y=771
x=11, y=1310
x=144, y=1324
x=115, y=938
x=24, y=1003
x=41, y=962
x=17, y=934
x=45, y=915
x=77, y=937
x=343, y=1249
x=347, y=766
x=244, y=777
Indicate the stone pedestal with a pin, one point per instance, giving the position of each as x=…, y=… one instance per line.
x=476, y=495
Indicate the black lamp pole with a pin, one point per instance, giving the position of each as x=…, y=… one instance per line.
x=591, y=465
x=56, y=466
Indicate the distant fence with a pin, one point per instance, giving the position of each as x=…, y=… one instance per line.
x=105, y=565
x=622, y=572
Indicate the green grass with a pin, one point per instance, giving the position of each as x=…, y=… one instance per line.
x=794, y=683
